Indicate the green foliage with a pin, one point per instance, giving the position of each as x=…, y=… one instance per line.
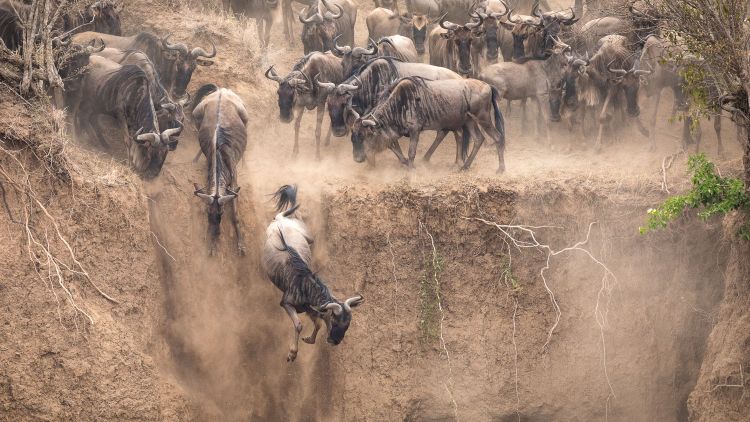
x=510, y=278
x=429, y=292
x=711, y=192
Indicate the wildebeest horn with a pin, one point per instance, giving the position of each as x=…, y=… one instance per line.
x=510, y=17
x=369, y=123
x=448, y=25
x=332, y=306
x=641, y=72
x=616, y=71
x=579, y=62
x=272, y=3
x=315, y=17
x=635, y=12
x=223, y=199
x=331, y=16
x=725, y=102
x=338, y=50
x=472, y=25
x=572, y=19
x=439, y=18
x=327, y=86
x=169, y=133
x=535, y=10
x=148, y=137
x=92, y=49
x=342, y=88
x=199, y=192
x=353, y=111
x=184, y=101
x=361, y=51
x=199, y=52
x=178, y=47
x=272, y=75
x=353, y=301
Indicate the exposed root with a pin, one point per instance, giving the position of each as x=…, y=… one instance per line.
x=608, y=281
x=726, y=384
x=666, y=164
x=393, y=270
x=436, y=279
x=162, y=247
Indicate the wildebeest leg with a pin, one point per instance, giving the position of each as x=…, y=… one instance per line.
x=652, y=123
x=318, y=128
x=602, y=122
x=297, y=330
x=311, y=338
x=542, y=120
x=478, y=141
x=237, y=231
x=438, y=139
x=413, y=142
x=396, y=148
x=524, y=118
x=297, y=123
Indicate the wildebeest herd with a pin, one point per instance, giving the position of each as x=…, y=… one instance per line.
x=481, y=52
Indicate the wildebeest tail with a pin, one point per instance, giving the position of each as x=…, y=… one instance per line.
x=202, y=93
x=499, y=120
x=286, y=199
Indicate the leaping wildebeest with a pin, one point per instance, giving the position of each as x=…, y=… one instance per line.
x=122, y=92
x=412, y=105
x=287, y=259
x=175, y=63
x=298, y=91
x=320, y=29
x=221, y=120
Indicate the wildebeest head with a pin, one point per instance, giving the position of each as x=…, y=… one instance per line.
x=538, y=31
x=463, y=36
x=152, y=149
x=295, y=88
x=185, y=62
x=629, y=81
x=106, y=16
x=417, y=28
x=491, y=26
x=171, y=114
x=340, y=104
x=353, y=58
x=215, y=202
x=319, y=30
x=563, y=94
x=369, y=135
x=338, y=316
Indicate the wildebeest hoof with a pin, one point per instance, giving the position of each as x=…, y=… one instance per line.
x=309, y=339
x=291, y=356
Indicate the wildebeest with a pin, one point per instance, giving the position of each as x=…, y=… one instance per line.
x=122, y=93
x=534, y=36
x=221, y=120
x=287, y=257
x=395, y=46
x=413, y=104
x=383, y=22
x=491, y=13
x=320, y=29
x=175, y=63
x=615, y=73
x=456, y=46
x=260, y=10
x=358, y=95
x=531, y=79
x=101, y=16
x=169, y=113
x=298, y=92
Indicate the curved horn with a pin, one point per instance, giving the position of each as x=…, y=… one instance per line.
x=169, y=133
x=223, y=199
x=353, y=301
x=535, y=10
x=199, y=52
x=472, y=25
x=340, y=51
x=315, y=17
x=635, y=12
x=448, y=25
x=616, y=71
x=333, y=307
x=148, y=137
x=438, y=19
x=641, y=72
x=184, y=101
x=369, y=123
x=572, y=19
x=177, y=47
x=331, y=16
x=272, y=75
x=510, y=17
x=579, y=62
x=92, y=49
x=168, y=106
x=200, y=193
x=326, y=86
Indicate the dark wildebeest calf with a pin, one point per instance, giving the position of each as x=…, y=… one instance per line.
x=286, y=259
x=221, y=120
